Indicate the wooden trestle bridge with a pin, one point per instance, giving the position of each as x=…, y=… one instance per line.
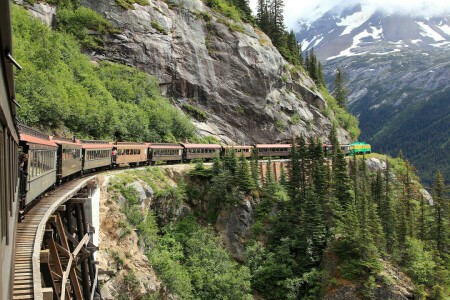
x=54, y=254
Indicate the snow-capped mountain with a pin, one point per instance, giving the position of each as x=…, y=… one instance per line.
x=398, y=77
x=364, y=28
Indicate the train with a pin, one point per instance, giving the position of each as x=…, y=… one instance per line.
x=9, y=142
x=51, y=160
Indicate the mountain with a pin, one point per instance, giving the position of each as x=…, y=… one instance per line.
x=397, y=69
x=223, y=72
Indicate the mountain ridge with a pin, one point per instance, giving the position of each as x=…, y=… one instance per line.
x=393, y=65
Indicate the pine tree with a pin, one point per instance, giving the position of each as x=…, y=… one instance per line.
x=387, y=213
x=341, y=183
x=313, y=229
x=408, y=200
x=246, y=11
x=255, y=167
x=306, y=64
x=375, y=228
x=441, y=207
x=312, y=69
x=295, y=178
x=421, y=220
x=231, y=161
x=340, y=92
x=263, y=17
x=217, y=165
x=276, y=8
x=320, y=75
x=244, y=178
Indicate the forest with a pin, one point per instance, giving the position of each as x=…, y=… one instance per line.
x=327, y=222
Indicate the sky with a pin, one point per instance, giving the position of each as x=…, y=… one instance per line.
x=310, y=10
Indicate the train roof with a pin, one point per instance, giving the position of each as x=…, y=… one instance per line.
x=165, y=146
x=7, y=108
x=29, y=139
x=61, y=140
x=237, y=147
x=201, y=146
x=95, y=144
x=273, y=146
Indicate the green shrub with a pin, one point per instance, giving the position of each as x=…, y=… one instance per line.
x=128, y=4
x=280, y=125
x=195, y=112
x=158, y=27
x=342, y=118
x=295, y=119
x=231, y=26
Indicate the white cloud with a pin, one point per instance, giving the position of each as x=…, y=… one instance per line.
x=312, y=9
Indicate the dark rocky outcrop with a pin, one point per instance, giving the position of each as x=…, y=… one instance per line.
x=233, y=224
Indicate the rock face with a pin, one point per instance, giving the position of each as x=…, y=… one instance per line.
x=123, y=256
x=237, y=78
x=233, y=224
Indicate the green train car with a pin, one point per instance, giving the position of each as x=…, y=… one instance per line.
x=360, y=148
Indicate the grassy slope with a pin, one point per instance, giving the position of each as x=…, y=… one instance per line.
x=60, y=88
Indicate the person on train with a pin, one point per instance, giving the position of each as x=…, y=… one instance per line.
x=114, y=155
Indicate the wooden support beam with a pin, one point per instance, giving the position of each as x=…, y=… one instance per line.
x=44, y=256
x=63, y=251
x=62, y=208
x=77, y=200
x=47, y=293
x=84, y=266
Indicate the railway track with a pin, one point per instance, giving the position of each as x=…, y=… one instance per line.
x=29, y=235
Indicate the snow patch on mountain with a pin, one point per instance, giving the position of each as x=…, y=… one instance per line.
x=375, y=34
x=445, y=28
x=357, y=19
x=427, y=31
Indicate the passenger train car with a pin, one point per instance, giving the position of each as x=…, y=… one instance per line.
x=8, y=154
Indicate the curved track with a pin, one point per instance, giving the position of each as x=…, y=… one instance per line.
x=27, y=275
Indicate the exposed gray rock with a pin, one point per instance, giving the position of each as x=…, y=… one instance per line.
x=374, y=164
x=148, y=190
x=233, y=224
x=42, y=11
x=139, y=189
x=228, y=75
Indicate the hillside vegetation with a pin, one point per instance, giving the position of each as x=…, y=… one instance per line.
x=59, y=87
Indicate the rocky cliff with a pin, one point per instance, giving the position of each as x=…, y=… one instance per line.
x=228, y=70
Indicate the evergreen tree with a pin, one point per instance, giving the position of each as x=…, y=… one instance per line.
x=387, y=213
x=263, y=17
x=217, y=165
x=300, y=54
x=340, y=92
x=306, y=64
x=408, y=200
x=246, y=11
x=441, y=208
x=294, y=183
x=341, y=180
x=231, y=161
x=244, y=177
x=276, y=8
x=320, y=75
x=312, y=69
x=421, y=220
x=313, y=229
x=254, y=167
